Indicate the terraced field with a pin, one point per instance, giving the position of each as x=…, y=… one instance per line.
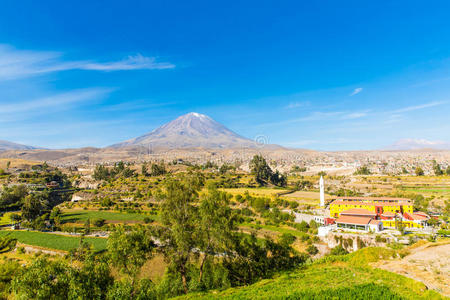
x=80, y=216
x=53, y=241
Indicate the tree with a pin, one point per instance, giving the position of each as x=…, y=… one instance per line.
x=7, y=243
x=87, y=226
x=34, y=205
x=12, y=197
x=447, y=171
x=178, y=234
x=128, y=251
x=437, y=169
x=99, y=222
x=8, y=164
x=260, y=169
x=338, y=250
x=419, y=171
x=215, y=225
x=144, y=169
x=158, y=169
x=263, y=173
x=363, y=170
x=55, y=279
x=312, y=250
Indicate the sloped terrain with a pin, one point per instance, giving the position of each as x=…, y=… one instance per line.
x=190, y=131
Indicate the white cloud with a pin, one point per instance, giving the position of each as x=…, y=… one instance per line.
x=136, y=62
x=23, y=63
x=356, y=91
x=58, y=101
x=355, y=115
x=421, y=106
x=296, y=104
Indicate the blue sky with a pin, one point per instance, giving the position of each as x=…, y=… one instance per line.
x=326, y=75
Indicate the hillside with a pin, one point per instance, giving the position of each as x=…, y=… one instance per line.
x=341, y=277
x=6, y=145
x=191, y=130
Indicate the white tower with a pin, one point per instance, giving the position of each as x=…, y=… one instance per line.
x=322, y=192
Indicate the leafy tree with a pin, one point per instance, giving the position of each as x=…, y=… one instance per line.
x=101, y=173
x=312, y=250
x=363, y=170
x=252, y=259
x=419, y=171
x=447, y=171
x=87, y=226
x=179, y=223
x=12, y=196
x=278, y=179
x=128, y=251
x=7, y=244
x=338, y=250
x=8, y=270
x=55, y=279
x=260, y=169
x=216, y=225
x=99, y=222
x=437, y=169
x=158, y=169
x=144, y=169
x=34, y=205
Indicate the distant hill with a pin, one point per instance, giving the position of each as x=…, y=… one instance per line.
x=417, y=144
x=191, y=130
x=6, y=146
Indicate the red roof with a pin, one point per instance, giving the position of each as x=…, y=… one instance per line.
x=373, y=221
x=358, y=212
x=354, y=220
x=415, y=217
x=374, y=198
x=421, y=214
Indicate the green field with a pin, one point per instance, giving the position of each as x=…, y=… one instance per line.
x=5, y=219
x=80, y=216
x=53, y=241
x=330, y=279
x=259, y=192
x=427, y=189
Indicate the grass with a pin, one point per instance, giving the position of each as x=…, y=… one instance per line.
x=53, y=241
x=259, y=192
x=335, y=278
x=80, y=216
x=5, y=219
x=274, y=229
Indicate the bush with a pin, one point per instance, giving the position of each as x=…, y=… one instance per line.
x=312, y=250
x=338, y=250
x=99, y=222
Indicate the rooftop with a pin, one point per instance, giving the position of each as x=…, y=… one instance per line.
x=358, y=211
x=344, y=202
x=387, y=199
x=354, y=220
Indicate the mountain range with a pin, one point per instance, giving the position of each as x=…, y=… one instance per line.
x=191, y=130
x=6, y=146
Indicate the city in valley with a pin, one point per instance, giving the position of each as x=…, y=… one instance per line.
x=224, y=150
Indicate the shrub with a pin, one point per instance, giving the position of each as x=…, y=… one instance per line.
x=312, y=250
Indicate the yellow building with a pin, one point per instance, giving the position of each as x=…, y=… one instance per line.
x=375, y=205
x=390, y=211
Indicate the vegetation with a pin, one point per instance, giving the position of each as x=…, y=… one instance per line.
x=263, y=173
x=53, y=241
